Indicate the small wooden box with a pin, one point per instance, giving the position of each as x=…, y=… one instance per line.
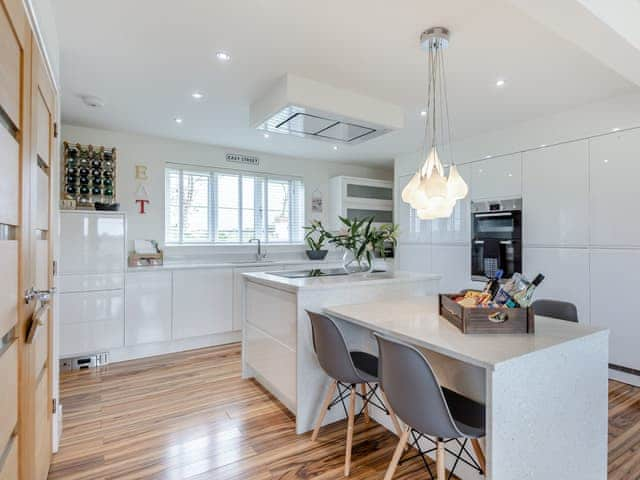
x=476, y=320
x=146, y=260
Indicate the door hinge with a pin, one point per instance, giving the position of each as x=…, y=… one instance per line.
x=55, y=129
x=54, y=268
x=54, y=405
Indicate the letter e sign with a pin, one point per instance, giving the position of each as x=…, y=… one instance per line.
x=141, y=172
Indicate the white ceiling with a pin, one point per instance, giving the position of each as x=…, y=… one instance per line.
x=146, y=57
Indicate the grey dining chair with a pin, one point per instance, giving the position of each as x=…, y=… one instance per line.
x=347, y=369
x=428, y=409
x=556, y=309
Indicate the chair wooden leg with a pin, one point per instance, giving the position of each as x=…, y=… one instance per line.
x=440, y=471
x=479, y=455
x=323, y=409
x=352, y=416
x=392, y=414
x=397, y=454
x=363, y=390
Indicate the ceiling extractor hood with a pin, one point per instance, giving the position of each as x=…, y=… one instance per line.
x=306, y=108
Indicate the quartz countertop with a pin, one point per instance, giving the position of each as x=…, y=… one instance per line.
x=233, y=264
x=337, y=281
x=417, y=321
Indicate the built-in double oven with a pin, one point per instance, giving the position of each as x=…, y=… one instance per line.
x=496, y=238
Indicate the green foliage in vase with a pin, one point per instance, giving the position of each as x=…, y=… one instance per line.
x=357, y=235
x=316, y=235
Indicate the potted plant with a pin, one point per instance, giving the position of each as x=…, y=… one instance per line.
x=315, y=238
x=361, y=241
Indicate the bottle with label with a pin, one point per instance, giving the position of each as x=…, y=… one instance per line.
x=524, y=298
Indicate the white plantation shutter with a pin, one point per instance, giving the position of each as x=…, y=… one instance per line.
x=224, y=206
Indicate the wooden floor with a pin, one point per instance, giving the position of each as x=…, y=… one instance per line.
x=190, y=416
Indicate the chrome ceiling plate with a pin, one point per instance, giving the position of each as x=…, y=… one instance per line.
x=439, y=35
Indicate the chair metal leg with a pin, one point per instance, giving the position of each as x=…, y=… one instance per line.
x=323, y=409
x=392, y=414
x=479, y=455
x=397, y=454
x=440, y=471
x=352, y=416
x=363, y=389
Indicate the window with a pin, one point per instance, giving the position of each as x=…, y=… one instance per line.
x=224, y=206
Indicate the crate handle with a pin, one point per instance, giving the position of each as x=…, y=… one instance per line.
x=499, y=317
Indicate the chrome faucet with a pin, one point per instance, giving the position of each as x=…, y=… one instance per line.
x=259, y=255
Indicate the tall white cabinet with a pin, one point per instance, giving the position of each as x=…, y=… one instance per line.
x=91, y=281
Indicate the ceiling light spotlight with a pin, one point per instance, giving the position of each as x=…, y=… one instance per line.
x=197, y=95
x=615, y=129
x=92, y=101
x=423, y=113
x=178, y=120
x=500, y=83
x=223, y=56
x=265, y=135
x=335, y=147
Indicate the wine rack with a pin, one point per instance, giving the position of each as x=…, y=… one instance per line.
x=88, y=176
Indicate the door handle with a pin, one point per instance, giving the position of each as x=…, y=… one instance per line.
x=42, y=295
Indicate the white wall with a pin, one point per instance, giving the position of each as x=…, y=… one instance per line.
x=155, y=152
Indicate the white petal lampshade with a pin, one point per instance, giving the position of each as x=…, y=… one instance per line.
x=458, y=188
x=435, y=185
x=409, y=190
x=437, y=207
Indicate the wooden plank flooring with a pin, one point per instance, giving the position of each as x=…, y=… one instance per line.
x=189, y=415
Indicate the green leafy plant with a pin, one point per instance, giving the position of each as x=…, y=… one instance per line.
x=316, y=235
x=358, y=236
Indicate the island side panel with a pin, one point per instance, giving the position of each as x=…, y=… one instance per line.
x=270, y=340
x=312, y=381
x=547, y=413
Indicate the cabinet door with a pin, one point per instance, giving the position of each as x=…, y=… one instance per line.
x=556, y=195
x=455, y=229
x=413, y=258
x=412, y=229
x=615, y=168
x=614, y=303
x=566, y=272
x=202, y=302
x=239, y=291
x=148, y=308
x=453, y=262
x=497, y=178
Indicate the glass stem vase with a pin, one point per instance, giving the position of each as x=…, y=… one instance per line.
x=354, y=264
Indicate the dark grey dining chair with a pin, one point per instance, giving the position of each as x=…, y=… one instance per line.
x=428, y=409
x=347, y=369
x=556, y=309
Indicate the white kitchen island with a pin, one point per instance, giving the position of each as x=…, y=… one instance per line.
x=277, y=347
x=545, y=393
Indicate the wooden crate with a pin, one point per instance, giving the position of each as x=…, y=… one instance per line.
x=476, y=320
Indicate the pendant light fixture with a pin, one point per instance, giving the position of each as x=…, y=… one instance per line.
x=429, y=191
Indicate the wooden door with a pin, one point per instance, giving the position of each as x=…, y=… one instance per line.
x=27, y=112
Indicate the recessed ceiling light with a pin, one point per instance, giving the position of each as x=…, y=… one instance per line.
x=92, y=101
x=500, y=83
x=606, y=161
x=265, y=135
x=198, y=95
x=543, y=145
x=335, y=147
x=615, y=129
x=178, y=120
x=423, y=113
x=488, y=156
x=223, y=56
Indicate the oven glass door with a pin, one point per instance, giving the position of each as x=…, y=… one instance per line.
x=487, y=224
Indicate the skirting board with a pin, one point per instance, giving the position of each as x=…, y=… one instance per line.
x=162, y=348
x=624, y=377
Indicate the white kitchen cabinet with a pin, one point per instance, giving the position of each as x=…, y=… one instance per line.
x=202, y=302
x=455, y=229
x=91, y=321
x=614, y=171
x=556, y=195
x=353, y=197
x=413, y=257
x=148, y=307
x=497, y=178
x=238, y=290
x=566, y=272
x=614, y=302
x=453, y=262
x=412, y=229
